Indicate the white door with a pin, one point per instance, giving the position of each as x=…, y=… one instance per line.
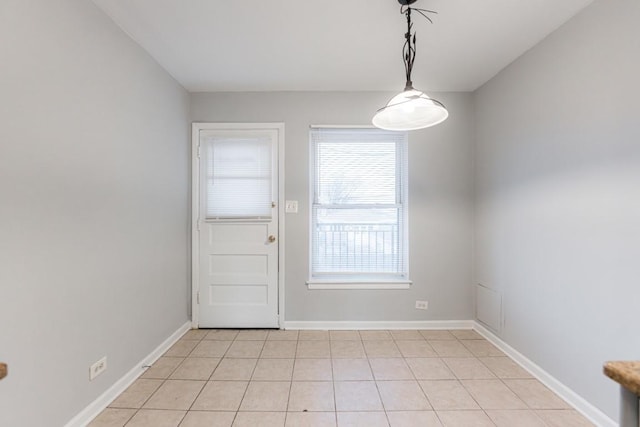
x=237, y=228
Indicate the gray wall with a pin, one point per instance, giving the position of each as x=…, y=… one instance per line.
x=558, y=197
x=94, y=187
x=440, y=210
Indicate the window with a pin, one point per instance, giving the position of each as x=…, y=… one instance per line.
x=238, y=177
x=359, y=208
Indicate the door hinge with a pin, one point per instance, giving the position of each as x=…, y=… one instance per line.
x=198, y=153
x=198, y=298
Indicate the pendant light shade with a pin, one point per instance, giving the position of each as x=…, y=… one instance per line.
x=411, y=109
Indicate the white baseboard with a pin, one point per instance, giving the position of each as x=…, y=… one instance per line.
x=592, y=413
x=98, y=405
x=377, y=325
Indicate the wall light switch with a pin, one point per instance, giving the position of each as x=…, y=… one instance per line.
x=291, y=206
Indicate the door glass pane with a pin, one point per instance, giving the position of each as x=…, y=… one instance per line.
x=238, y=177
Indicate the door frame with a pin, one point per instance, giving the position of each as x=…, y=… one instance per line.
x=196, y=127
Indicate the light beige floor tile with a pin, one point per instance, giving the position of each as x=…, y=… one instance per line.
x=468, y=368
x=482, y=348
x=402, y=396
x=536, y=395
x=375, y=335
x=450, y=348
x=209, y=348
x=137, y=394
x=245, y=349
x=221, y=335
x=407, y=335
x=347, y=349
x=313, y=349
x=465, y=419
x=437, y=335
x=313, y=335
x=357, y=396
x=311, y=419
x=260, y=419
x=282, y=335
x=381, y=349
x=312, y=370
x=156, y=418
x=448, y=395
x=273, y=370
x=175, y=394
x=413, y=419
x=351, y=370
x=466, y=334
x=390, y=369
x=266, y=396
x=220, y=396
x=504, y=367
x=162, y=368
x=352, y=359
x=195, y=368
x=429, y=368
x=520, y=418
x=493, y=394
x=311, y=396
x=344, y=335
x=195, y=334
x=234, y=369
x=563, y=418
x=252, y=335
x=362, y=419
x=415, y=348
x=182, y=348
x=279, y=349
x=208, y=419
x=112, y=417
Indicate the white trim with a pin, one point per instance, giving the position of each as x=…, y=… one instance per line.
x=592, y=413
x=377, y=325
x=343, y=126
x=195, y=218
x=196, y=127
x=85, y=416
x=281, y=226
x=317, y=284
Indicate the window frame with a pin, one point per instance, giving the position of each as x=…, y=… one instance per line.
x=363, y=280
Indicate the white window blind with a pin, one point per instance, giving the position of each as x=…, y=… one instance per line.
x=359, y=186
x=239, y=178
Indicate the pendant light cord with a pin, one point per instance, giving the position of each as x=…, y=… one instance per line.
x=409, y=48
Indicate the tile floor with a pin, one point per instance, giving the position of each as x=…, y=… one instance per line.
x=217, y=378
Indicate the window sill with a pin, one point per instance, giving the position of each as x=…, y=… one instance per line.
x=348, y=284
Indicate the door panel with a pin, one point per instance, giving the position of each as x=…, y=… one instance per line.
x=238, y=244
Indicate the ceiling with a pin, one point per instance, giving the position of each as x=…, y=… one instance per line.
x=332, y=45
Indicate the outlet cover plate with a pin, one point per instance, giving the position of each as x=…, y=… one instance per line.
x=422, y=305
x=97, y=368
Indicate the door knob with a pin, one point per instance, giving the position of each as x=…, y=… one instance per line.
x=3, y=370
x=272, y=238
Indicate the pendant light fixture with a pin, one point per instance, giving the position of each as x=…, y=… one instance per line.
x=410, y=109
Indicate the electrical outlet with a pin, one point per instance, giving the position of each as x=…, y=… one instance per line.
x=97, y=368
x=422, y=305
